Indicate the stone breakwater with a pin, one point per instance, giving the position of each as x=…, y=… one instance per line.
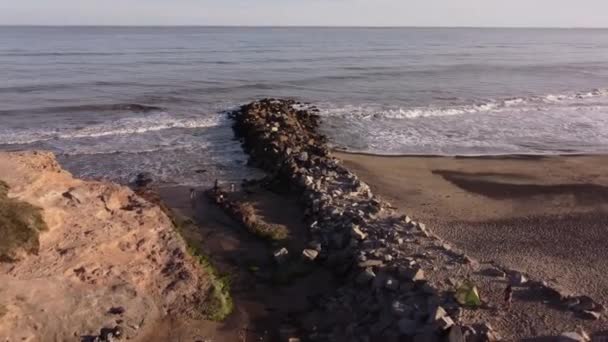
x=399, y=278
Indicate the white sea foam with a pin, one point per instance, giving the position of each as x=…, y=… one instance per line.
x=561, y=123
x=370, y=111
x=125, y=126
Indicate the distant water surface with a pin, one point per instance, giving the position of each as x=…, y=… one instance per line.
x=114, y=101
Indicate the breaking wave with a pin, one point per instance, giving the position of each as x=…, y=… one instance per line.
x=125, y=126
x=376, y=111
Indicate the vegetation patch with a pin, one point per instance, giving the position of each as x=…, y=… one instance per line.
x=217, y=304
x=245, y=214
x=20, y=227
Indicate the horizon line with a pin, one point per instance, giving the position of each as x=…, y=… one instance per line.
x=309, y=26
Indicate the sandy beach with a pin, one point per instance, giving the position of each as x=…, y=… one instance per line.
x=543, y=215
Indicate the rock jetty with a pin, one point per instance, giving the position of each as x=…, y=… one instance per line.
x=401, y=282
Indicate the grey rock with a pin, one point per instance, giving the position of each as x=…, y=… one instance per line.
x=436, y=314
x=310, y=254
x=303, y=157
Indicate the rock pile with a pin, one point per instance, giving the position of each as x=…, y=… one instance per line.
x=399, y=278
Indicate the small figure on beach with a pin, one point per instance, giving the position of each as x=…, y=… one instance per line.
x=232, y=187
x=508, y=296
x=216, y=185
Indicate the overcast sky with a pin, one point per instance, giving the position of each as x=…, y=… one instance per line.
x=535, y=13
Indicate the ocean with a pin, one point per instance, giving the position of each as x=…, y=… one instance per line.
x=115, y=101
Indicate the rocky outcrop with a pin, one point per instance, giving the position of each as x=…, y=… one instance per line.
x=400, y=279
x=109, y=265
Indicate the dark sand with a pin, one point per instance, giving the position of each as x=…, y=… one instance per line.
x=544, y=215
x=262, y=306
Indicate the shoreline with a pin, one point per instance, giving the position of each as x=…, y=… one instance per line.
x=472, y=156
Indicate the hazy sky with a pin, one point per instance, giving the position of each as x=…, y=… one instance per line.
x=545, y=13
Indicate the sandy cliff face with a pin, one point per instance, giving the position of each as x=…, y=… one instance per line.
x=109, y=259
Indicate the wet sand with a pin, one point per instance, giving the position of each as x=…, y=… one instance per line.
x=544, y=215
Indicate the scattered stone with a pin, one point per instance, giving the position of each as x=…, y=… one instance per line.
x=437, y=314
x=357, y=233
x=280, y=255
x=310, y=254
x=303, y=157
